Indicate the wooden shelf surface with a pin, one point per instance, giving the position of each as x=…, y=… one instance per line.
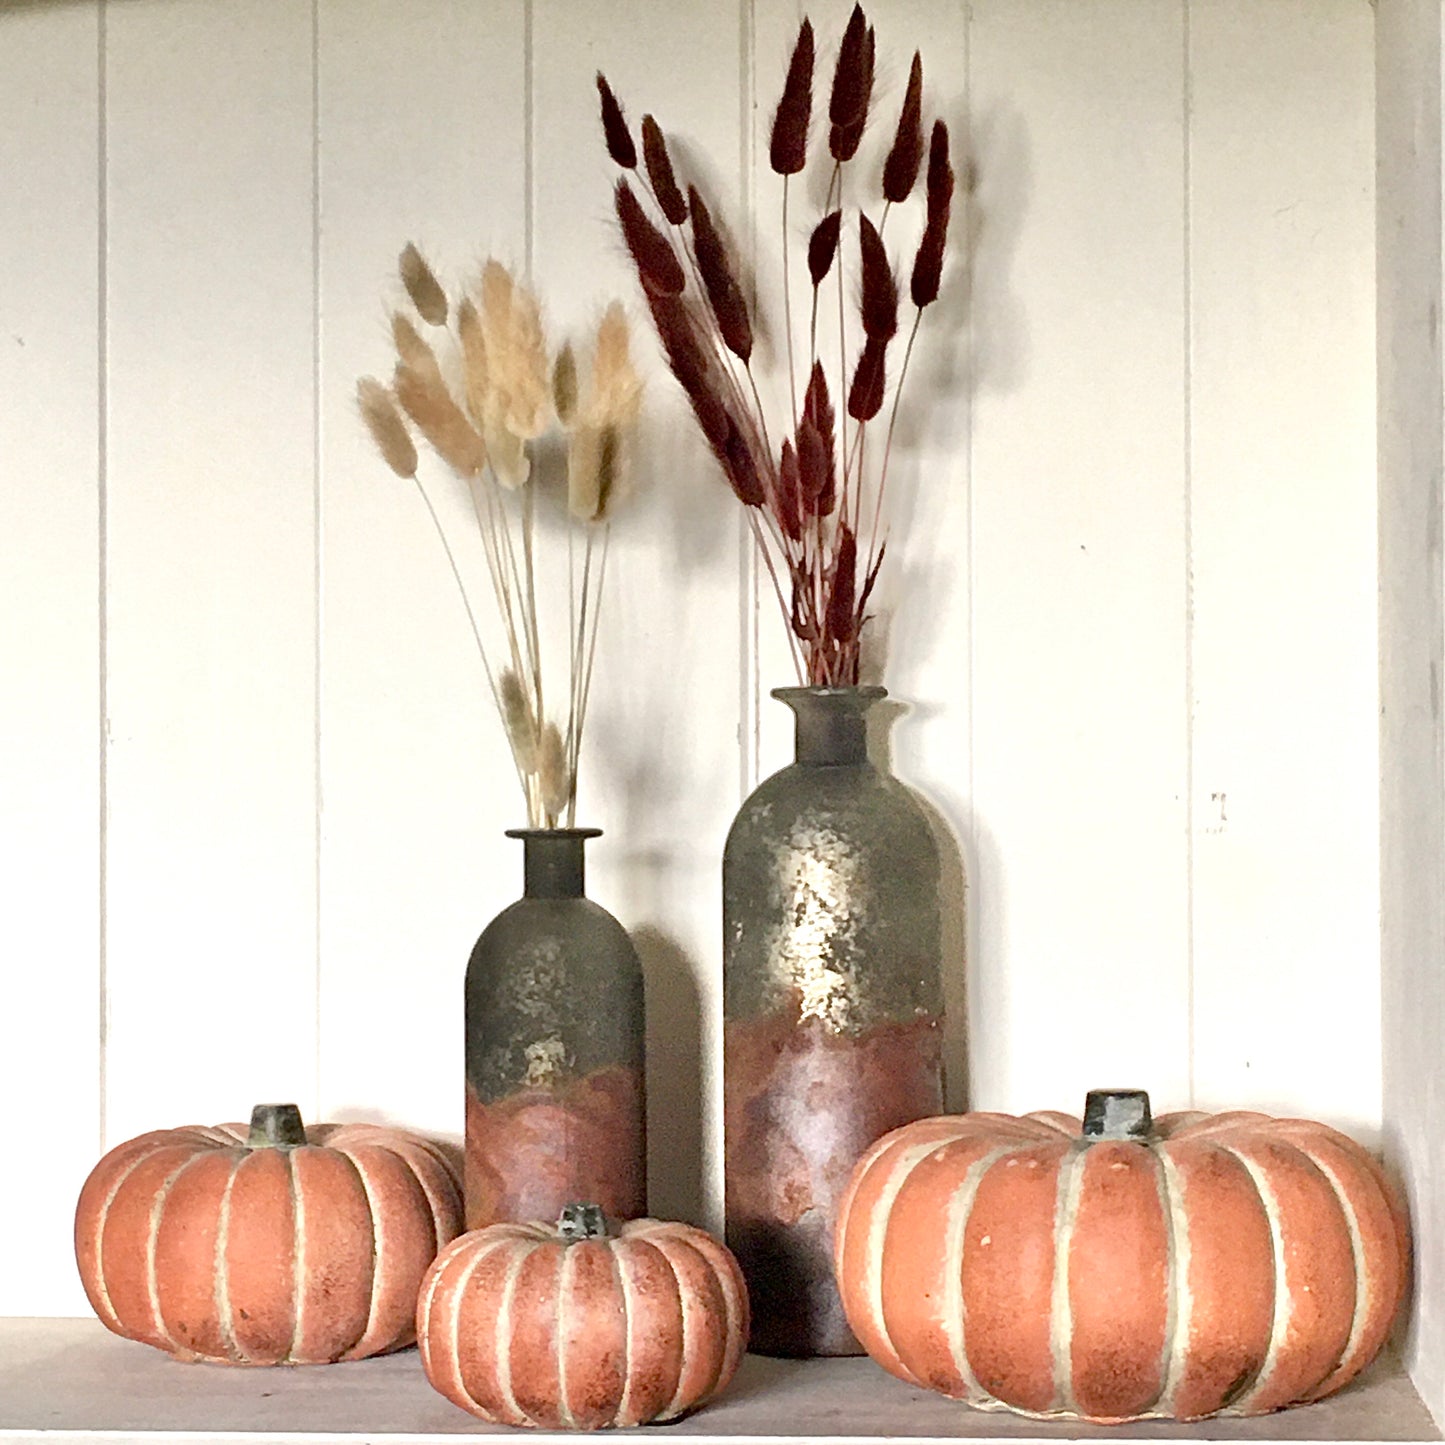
x=71, y=1379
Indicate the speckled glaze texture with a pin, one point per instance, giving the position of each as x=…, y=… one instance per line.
x=521, y=1326
x=554, y=1022
x=195, y=1242
x=833, y=1007
x=1227, y=1264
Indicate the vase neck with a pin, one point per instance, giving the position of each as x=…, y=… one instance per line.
x=553, y=863
x=831, y=723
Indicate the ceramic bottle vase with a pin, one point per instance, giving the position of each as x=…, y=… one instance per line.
x=833, y=1006
x=554, y=1049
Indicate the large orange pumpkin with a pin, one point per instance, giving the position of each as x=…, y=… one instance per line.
x=277, y=1246
x=1173, y=1268
x=575, y=1327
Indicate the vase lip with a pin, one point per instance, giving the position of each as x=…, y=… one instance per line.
x=864, y=692
x=526, y=833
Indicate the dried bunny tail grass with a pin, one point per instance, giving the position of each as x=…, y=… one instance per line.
x=614, y=126
x=841, y=621
x=523, y=370
x=519, y=720
x=564, y=385
x=927, y=277
x=595, y=480
x=785, y=493
x=413, y=351
x=388, y=430
x=900, y=170
x=616, y=394
x=657, y=265
x=855, y=79
x=846, y=97
x=423, y=287
x=940, y=176
x=495, y=291
x=440, y=420
x=823, y=246
x=507, y=453
x=723, y=293
x=788, y=144
x=553, y=773
x=879, y=307
x=865, y=396
x=670, y=200
x=475, y=372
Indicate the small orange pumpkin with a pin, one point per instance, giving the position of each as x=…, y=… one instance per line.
x=277, y=1246
x=574, y=1327
x=1176, y=1268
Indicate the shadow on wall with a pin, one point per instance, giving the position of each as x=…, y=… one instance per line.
x=954, y=872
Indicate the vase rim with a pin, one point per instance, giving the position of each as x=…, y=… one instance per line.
x=871, y=691
x=525, y=833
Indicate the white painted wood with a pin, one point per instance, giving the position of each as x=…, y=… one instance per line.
x=211, y=562
x=1077, y=555
x=70, y=1376
x=421, y=115
x=1412, y=648
x=659, y=771
x=1282, y=506
x=49, y=633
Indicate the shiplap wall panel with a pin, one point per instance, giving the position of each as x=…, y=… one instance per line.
x=422, y=121
x=50, y=631
x=211, y=562
x=1078, y=552
x=1412, y=648
x=659, y=772
x=1282, y=495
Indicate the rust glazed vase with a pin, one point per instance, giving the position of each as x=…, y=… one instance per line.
x=554, y=1049
x=833, y=1006
x=1125, y=1267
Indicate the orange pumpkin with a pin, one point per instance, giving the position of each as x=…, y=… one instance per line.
x=1175, y=1268
x=280, y=1246
x=577, y=1328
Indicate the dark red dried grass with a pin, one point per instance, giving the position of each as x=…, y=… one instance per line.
x=614, y=127
x=723, y=292
x=927, y=274
x=879, y=307
x=742, y=468
x=670, y=200
x=788, y=147
x=823, y=246
x=845, y=136
x=940, y=176
x=786, y=494
x=818, y=413
x=842, y=620
x=865, y=396
x=900, y=170
x=814, y=469
x=657, y=265
x=846, y=98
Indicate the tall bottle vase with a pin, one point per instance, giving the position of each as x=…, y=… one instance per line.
x=555, y=1105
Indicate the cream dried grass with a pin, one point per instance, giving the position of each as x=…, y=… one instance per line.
x=388, y=430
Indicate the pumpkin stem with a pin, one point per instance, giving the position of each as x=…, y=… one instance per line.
x=582, y=1221
x=276, y=1126
x=1117, y=1114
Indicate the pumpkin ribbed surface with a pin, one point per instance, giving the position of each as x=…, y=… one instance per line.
x=195, y=1242
x=1231, y=1263
x=522, y=1327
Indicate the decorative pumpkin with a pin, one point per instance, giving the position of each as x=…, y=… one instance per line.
x=1175, y=1268
x=274, y=1247
x=576, y=1327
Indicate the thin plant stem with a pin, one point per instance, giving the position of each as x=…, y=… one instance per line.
x=787, y=311
x=888, y=440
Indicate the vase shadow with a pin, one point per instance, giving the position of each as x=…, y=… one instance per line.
x=954, y=919
x=674, y=1053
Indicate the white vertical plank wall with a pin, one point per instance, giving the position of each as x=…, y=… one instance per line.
x=210, y=562
x=1412, y=648
x=421, y=121
x=1282, y=507
x=50, y=478
x=1131, y=562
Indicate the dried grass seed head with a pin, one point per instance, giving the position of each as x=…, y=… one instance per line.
x=475, y=372
x=564, y=385
x=388, y=430
x=518, y=719
x=614, y=126
x=410, y=347
x=670, y=200
x=865, y=396
x=788, y=144
x=422, y=286
x=900, y=170
x=823, y=246
x=879, y=308
x=844, y=136
x=657, y=265
x=615, y=396
x=553, y=773
x=426, y=400
x=723, y=292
